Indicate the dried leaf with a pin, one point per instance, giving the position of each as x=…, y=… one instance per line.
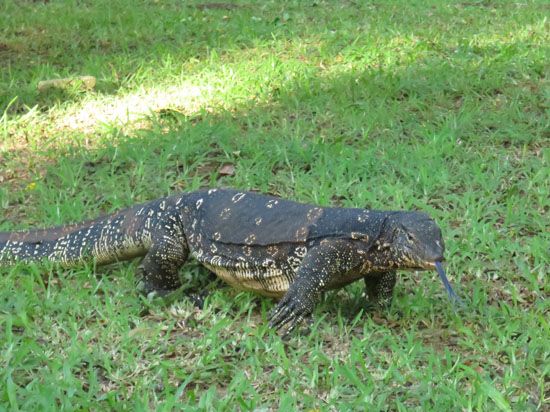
x=227, y=170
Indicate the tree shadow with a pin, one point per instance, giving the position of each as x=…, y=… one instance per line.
x=123, y=46
x=117, y=43
x=328, y=130
x=302, y=132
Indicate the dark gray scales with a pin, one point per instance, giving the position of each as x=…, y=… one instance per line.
x=236, y=215
x=271, y=246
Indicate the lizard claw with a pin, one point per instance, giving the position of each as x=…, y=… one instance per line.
x=287, y=315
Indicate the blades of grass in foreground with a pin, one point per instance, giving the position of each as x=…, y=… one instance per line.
x=496, y=396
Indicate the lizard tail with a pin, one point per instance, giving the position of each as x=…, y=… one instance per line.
x=57, y=244
x=13, y=251
x=103, y=240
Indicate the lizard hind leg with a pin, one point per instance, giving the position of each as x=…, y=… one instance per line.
x=158, y=272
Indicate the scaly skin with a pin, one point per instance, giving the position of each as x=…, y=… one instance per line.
x=274, y=247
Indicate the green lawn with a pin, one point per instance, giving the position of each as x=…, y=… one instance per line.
x=429, y=105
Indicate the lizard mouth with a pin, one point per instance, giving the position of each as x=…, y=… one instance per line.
x=434, y=264
x=428, y=265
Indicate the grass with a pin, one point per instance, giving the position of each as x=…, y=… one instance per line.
x=437, y=106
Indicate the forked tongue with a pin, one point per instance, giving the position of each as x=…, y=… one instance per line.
x=452, y=295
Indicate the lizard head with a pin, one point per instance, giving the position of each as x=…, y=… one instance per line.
x=415, y=240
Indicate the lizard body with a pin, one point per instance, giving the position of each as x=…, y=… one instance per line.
x=264, y=244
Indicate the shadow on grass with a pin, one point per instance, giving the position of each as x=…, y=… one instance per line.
x=125, y=44
x=376, y=122
x=341, y=127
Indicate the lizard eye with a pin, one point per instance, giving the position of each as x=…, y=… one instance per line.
x=410, y=237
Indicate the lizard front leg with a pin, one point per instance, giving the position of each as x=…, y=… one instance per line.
x=321, y=266
x=379, y=288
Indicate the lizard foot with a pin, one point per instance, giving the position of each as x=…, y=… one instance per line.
x=151, y=292
x=288, y=314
